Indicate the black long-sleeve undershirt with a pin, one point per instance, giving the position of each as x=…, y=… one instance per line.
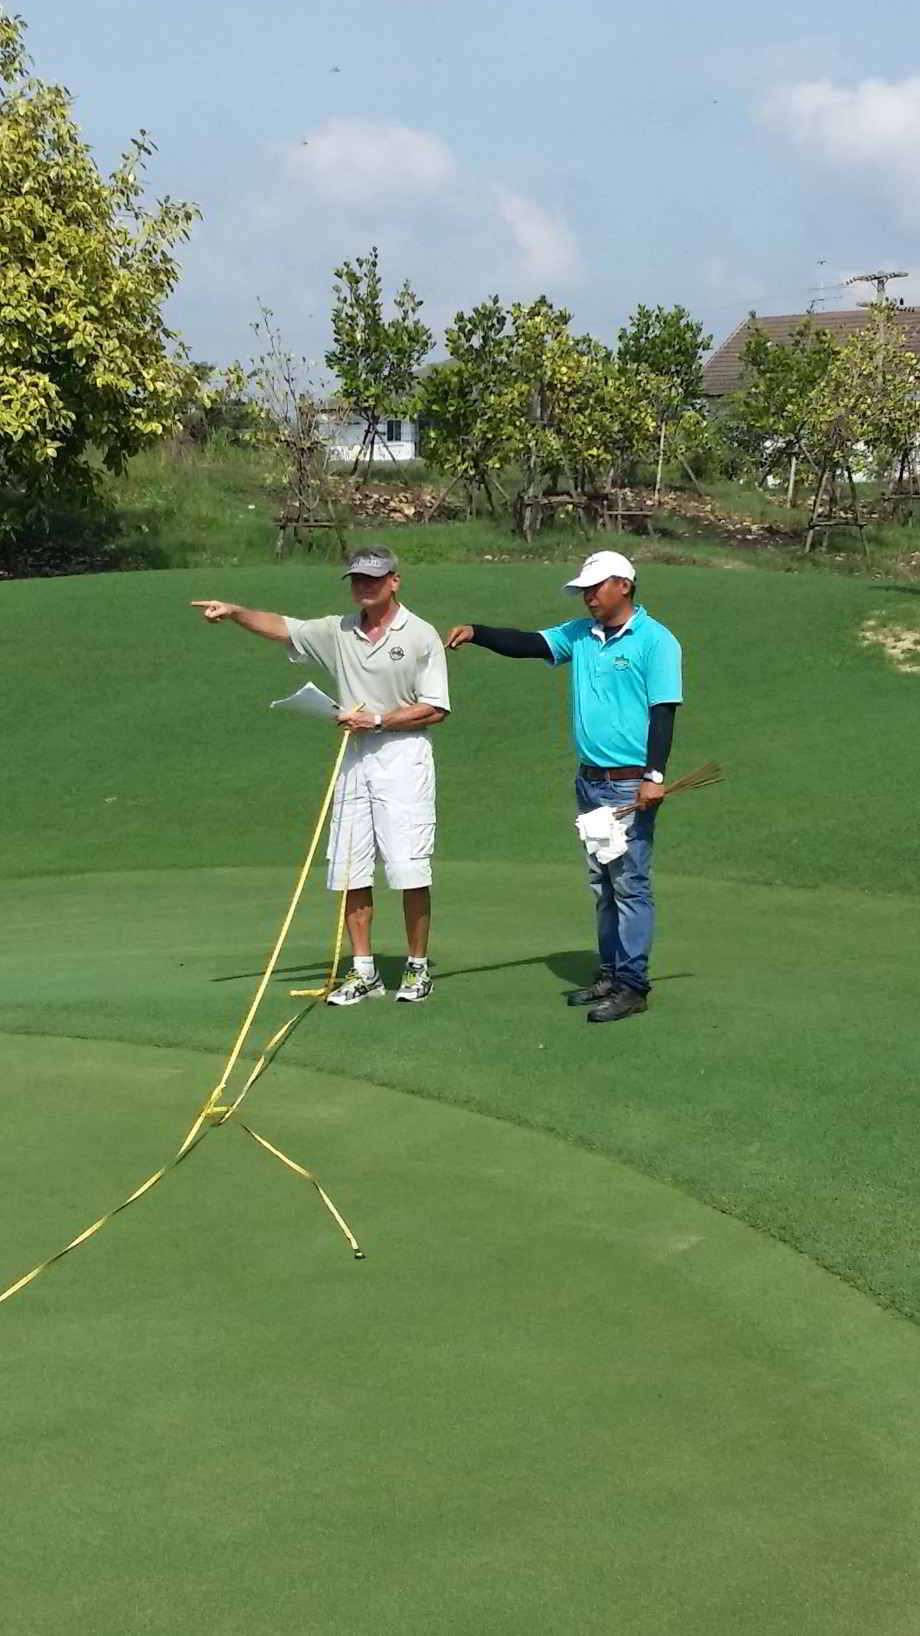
x=515, y=644
x=660, y=734
x=510, y=643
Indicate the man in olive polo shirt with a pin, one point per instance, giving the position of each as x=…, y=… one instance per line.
x=391, y=678
x=626, y=686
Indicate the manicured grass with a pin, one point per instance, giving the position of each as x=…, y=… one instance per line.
x=555, y=1397
x=137, y=736
x=583, y=1375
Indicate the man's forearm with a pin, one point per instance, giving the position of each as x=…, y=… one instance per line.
x=660, y=734
x=410, y=716
x=271, y=625
x=512, y=644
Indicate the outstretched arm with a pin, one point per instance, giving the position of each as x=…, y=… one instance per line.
x=513, y=644
x=271, y=625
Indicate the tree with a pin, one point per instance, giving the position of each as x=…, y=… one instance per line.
x=377, y=360
x=772, y=410
x=458, y=401
x=669, y=344
x=288, y=423
x=89, y=370
x=864, y=413
x=219, y=407
x=571, y=409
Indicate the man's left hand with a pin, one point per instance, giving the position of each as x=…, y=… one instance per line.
x=356, y=721
x=649, y=795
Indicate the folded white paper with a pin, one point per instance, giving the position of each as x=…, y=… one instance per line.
x=309, y=701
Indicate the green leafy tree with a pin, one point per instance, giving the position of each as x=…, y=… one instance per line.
x=668, y=343
x=376, y=359
x=771, y=412
x=572, y=409
x=458, y=402
x=89, y=371
x=864, y=414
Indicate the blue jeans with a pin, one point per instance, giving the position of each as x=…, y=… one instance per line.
x=625, y=909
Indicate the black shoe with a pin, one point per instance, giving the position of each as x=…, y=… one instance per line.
x=624, y=1003
x=603, y=987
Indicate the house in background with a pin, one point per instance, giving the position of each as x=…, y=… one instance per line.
x=397, y=438
x=724, y=372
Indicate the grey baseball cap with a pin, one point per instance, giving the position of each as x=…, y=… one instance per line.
x=375, y=560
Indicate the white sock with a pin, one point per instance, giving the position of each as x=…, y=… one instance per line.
x=364, y=965
x=419, y=961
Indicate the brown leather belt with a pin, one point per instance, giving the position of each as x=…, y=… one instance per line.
x=610, y=774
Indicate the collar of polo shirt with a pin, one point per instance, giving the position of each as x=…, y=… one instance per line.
x=604, y=635
x=396, y=623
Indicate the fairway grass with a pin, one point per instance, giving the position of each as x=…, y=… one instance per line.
x=618, y=1356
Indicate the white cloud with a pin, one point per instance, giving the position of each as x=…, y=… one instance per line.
x=870, y=130
x=456, y=235
x=731, y=283
x=361, y=160
x=545, y=245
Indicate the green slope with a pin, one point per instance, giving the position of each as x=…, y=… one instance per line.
x=137, y=737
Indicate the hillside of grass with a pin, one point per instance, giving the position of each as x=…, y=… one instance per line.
x=142, y=738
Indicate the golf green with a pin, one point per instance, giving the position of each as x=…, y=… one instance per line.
x=618, y=1357
x=556, y=1396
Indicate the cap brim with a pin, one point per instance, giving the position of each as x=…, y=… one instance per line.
x=573, y=586
x=369, y=573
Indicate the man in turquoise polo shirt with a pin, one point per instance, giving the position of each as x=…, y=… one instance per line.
x=626, y=686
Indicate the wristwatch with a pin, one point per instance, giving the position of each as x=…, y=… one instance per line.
x=653, y=778
x=378, y=721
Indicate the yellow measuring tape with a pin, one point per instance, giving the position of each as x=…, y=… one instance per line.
x=215, y=1111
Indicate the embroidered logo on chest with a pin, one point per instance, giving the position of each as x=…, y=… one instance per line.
x=397, y=653
x=621, y=662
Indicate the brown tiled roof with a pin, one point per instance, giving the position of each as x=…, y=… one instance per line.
x=724, y=371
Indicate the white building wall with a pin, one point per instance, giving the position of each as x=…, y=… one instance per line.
x=345, y=437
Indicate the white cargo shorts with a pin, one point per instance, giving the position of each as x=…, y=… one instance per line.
x=384, y=803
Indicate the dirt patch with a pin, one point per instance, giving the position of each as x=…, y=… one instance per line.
x=899, y=643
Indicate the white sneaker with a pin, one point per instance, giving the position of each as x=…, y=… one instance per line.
x=356, y=988
x=416, y=984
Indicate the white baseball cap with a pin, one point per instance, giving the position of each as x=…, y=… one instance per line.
x=603, y=565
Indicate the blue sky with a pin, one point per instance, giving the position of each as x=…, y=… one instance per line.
x=603, y=153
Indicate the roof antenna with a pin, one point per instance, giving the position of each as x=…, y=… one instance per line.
x=880, y=280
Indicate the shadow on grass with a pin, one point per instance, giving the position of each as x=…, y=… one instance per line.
x=573, y=966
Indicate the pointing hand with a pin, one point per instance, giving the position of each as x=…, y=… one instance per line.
x=214, y=611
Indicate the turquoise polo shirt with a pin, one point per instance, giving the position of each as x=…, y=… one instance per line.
x=616, y=678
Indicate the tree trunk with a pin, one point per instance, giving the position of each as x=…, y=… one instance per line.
x=815, y=507
x=357, y=460
x=700, y=491
x=856, y=513
x=790, y=490
x=660, y=467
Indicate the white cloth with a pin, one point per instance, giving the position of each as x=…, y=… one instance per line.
x=604, y=835
x=384, y=803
